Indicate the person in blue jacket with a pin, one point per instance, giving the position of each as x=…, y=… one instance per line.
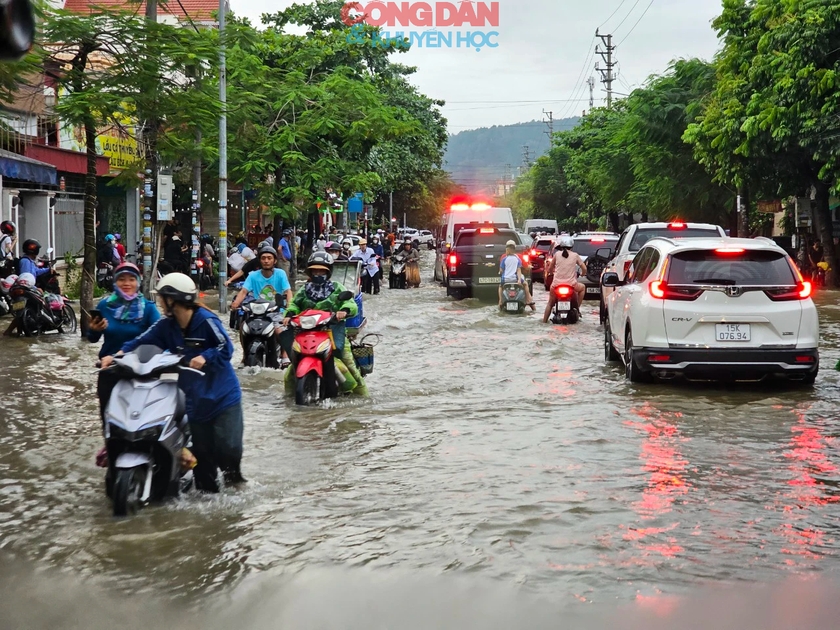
x=31, y=249
x=214, y=400
x=122, y=317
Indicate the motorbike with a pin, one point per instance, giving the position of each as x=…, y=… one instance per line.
x=204, y=269
x=146, y=430
x=236, y=314
x=313, y=358
x=513, y=298
x=5, y=299
x=565, y=306
x=37, y=312
x=105, y=276
x=396, y=279
x=259, y=340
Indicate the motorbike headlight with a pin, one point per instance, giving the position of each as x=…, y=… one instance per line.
x=149, y=433
x=309, y=322
x=259, y=309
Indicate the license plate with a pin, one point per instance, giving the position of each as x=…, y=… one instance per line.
x=593, y=289
x=18, y=306
x=512, y=306
x=732, y=332
x=564, y=306
x=488, y=281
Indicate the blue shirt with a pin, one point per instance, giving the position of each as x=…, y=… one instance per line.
x=118, y=332
x=264, y=288
x=27, y=265
x=284, y=247
x=218, y=389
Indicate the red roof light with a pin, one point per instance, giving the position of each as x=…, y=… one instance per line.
x=676, y=225
x=728, y=251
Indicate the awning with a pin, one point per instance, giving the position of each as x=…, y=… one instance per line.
x=15, y=166
x=65, y=160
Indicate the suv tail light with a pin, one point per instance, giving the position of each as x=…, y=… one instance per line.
x=660, y=290
x=534, y=253
x=453, y=259
x=801, y=291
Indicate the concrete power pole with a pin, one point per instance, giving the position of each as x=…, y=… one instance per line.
x=526, y=156
x=149, y=187
x=223, y=305
x=607, y=76
x=591, y=82
x=550, y=123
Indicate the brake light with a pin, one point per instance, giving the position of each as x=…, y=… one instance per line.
x=802, y=291
x=487, y=230
x=199, y=263
x=660, y=290
x=676, y=225
x=453, y=259
x=805, y=359
x=729, y=251
x=563, y=291
x=534, y=252
x=659, y=358
x=597, y=240
x=17, y=292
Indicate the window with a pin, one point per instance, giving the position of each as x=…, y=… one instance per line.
x=644, y=235
x=651, y=264
x=640, y=264
x=747, y=268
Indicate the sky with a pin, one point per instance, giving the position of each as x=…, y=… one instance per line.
x=545, y=54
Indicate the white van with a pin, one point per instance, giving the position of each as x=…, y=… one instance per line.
x=549, y=226
x=463, y=215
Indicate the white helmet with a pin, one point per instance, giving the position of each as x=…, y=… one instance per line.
x=510, y=243
x=177, y=286
x=565, y=241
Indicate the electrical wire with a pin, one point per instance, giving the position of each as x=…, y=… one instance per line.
x=613, y=13
x=636, y=24
x=590, y=53
x=626, y=16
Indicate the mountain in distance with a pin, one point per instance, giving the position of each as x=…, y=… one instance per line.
x=478, y=159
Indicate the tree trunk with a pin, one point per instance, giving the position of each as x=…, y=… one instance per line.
x=89, y=264
x=824, y=225
x=613, y=219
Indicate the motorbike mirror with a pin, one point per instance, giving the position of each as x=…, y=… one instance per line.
x=604, y=252
x=17, y=29
x=344, y=296
x=50, y=250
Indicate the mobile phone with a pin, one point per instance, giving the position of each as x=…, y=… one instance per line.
x=95, y=314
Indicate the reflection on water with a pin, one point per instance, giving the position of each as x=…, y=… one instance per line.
x=494, y=451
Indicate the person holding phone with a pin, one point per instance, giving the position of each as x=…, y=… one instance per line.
x=213, y=397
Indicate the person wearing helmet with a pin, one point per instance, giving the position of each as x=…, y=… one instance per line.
x=565, y=265
x=121, y=317
x=412, y=263
x=322, y=294
x=214, y=399
x=510, y=269
x=284, y=259
x=370, y=267
x=31, y=248
x=119, y=246
x=334, y=249
x=8, y=240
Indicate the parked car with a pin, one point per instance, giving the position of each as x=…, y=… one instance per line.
x=710, y=309
x=635, y=236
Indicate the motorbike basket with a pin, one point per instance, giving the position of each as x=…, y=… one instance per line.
x=363, y=354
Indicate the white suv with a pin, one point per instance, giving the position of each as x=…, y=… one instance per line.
x=635, y=236
x=712, y=309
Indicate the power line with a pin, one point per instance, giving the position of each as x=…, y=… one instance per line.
x=589, y=55
x=626, y=16
x=621, y=4
x=636, y=24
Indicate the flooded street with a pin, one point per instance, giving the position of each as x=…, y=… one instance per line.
x=493, y=448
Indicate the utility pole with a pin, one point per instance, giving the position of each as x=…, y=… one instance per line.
x=591, y=82
x=550, y=123
x=149, y=181
x=607, y=76
x=526, y=156
x=223, y=305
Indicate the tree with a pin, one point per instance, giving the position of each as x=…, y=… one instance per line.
x=111, y=66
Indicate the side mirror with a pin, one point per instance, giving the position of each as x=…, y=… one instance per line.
x=344, y=296
x=604, y=252
x=280, y=300
x=610, y=280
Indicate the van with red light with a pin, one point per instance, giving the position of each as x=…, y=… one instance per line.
x=467, y=216
x=712, y=309
x=635, y=236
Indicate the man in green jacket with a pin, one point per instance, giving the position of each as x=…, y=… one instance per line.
x=321, y=294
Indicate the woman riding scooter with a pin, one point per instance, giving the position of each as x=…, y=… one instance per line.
x=565, y=264
x=321, y=294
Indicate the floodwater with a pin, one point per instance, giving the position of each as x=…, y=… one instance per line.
x=498, y=471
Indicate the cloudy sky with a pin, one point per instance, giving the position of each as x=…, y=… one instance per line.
x=546, y=52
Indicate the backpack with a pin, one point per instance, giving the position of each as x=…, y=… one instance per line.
x=105, y=254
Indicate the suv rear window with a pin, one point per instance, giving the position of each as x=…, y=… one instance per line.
x=586, y=247
x=467, y=239
x=545, y=245
x=749, y=268
x=642, y=236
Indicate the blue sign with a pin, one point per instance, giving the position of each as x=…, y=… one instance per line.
x=355, y=203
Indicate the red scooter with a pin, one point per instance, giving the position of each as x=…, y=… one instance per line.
x=313, y=358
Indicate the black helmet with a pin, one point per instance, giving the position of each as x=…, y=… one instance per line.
x=267, y=249
x=7, y=227
x=320, y=260
x=31, y=247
